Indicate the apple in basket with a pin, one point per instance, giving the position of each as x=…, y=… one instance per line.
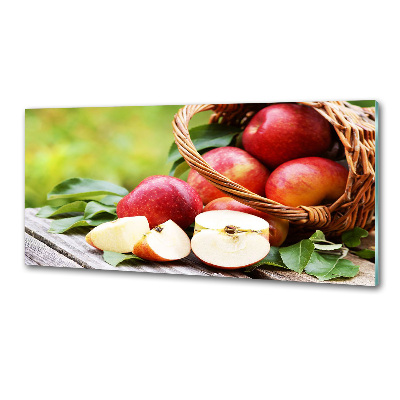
x=283, y=132
x=160, y=198
x=278, y=228
x=236, y=165
x=230, y=239
x=308, y=181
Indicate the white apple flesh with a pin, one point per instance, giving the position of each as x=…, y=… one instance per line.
x=230, y=239
x=120, y=235
x=165, y=242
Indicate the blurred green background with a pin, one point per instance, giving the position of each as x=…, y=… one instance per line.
x=122, y=145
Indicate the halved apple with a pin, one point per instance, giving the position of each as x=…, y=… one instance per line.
x=165, y=242
x=120, y=235
x=230, y=239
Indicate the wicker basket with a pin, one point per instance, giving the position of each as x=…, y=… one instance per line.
x=355, y=128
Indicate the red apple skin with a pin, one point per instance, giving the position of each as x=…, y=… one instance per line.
x=235, y=164
x=284, y=132
x=143, y=250
x=278, y=228
x=160, y=198
x=309, y=181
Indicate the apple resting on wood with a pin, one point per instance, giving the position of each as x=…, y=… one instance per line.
x=165, y=242
x=284, y=132
x=120, y=235
x=309, y=181
x=235, y=164
x=160, y=198
x=278, y=228
x=230, y=239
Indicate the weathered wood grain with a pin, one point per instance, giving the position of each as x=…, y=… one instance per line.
x=71, y=250
x=38, y=253
x=73, y=247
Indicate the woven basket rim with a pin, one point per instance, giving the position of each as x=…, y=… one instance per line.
x=355, y=127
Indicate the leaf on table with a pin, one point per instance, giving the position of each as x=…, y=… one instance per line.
x=353, y=237
x=84, y=189
x=206, y=136
x=365, y=253
x=297, y=256
x=320, y=242
x=346, y=268
x=49, y=211
x=114, y=259
x=333, y=246
x=58, y=202
x=93, y=208
x=110, y=200
x=64, y=224
x=272, y=258
x=327, y=266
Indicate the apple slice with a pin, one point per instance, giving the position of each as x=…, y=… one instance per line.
x=165, y=242
x=120, y=235
x=230, y=239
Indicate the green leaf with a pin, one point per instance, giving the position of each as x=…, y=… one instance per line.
x=327, y=266
x=296, y=256
x=58, y=202
x=333, y=246
x=318, y=236
x=114, y=259
x=81, y=189
x=352, y=238
x=363, y=103
x=93, y=208
x=110, y=200
x=206, y=136
x=272, y=258
x=49, y=211
x=365, y=253
x=178, y=168
x=346, y=269
x=64, y=224
x=320, y=242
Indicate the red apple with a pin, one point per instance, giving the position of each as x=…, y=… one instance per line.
x=165, y=242
x=119, y=236
x=308, y=181
x=278, y=228
x=284, y=132
x=160, y=198
x=230, y=239
x=234, y=163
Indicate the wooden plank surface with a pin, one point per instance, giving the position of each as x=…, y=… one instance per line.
x=38, y=253
x=42, y=247
x=71, y=250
